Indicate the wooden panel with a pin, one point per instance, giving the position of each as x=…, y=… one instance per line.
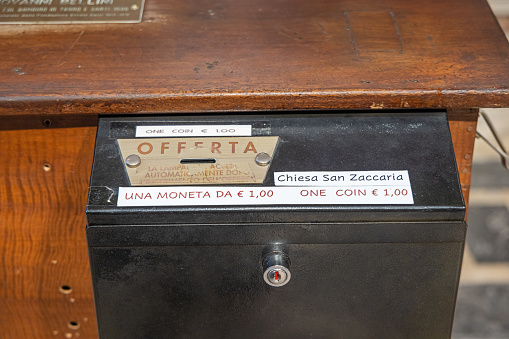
x=48, y=318
x=43, y=189
x=231, y=55
x=463, y=124
x=374, y=32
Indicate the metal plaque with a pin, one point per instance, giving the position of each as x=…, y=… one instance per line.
x=197, y=161
x=70, y=11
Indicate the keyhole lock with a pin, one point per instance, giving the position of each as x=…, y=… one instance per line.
x=276, y=269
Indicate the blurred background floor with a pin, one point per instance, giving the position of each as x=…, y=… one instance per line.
x=482, y=309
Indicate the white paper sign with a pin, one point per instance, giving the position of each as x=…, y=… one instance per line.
x=193, y=131
x=226, y=196
x=339, y=179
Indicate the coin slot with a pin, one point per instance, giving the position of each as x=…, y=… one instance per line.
x=198, y=161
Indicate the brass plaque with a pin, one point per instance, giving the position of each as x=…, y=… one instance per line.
x=70, y=11
x=197, y=161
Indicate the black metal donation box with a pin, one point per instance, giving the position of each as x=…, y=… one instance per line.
x=338, y=225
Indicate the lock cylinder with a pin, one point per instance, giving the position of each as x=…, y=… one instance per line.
x=276, y=269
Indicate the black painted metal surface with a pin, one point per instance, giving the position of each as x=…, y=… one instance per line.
x=385, y=271
x=419, y=143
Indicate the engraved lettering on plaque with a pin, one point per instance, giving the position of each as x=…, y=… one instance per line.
x=196, y=161
x=70, y=11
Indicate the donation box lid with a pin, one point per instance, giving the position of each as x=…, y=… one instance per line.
x=298, y=167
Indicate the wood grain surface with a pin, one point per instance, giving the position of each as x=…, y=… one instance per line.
x=43, y=254
x=463, y=125
x=230, y=55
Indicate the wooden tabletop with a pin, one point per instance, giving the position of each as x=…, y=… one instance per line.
x=235, y=55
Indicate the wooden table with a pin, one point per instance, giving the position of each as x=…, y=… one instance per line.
x=199, y=56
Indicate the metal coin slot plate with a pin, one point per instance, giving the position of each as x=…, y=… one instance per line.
x=188, y=161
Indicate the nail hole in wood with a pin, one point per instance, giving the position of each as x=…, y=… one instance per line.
x=64, y=289
x=73, y=325
x=46, y=167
